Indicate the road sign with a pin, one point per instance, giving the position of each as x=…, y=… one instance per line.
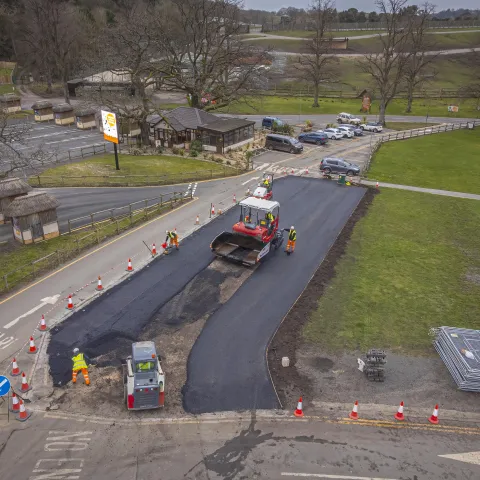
x=109, y=123
x=4, y=385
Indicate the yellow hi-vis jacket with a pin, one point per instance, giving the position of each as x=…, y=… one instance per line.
x=79, y=362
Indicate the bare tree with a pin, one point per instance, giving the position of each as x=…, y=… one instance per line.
x=419, y=43
x=387, y=68
x=318, y=65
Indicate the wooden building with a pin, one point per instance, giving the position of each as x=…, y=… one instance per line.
x=34, y=217
x=10, y=103
x=43, y=111
x=85, y=118
x=63, y=113
x=11, y=188
x=226, y=134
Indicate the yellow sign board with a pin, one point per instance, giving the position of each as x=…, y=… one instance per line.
x=109, y=123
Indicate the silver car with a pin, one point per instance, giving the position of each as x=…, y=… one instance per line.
x=347, y=132
x=332, y=133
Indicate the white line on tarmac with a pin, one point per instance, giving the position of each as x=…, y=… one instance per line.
x=251, y=180
x=68, y=140
x=323, y=475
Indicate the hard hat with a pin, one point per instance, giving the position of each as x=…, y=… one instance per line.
x=76, y=350
x=292, y=228
x=168, y=231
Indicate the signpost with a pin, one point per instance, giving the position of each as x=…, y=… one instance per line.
x=110, y=132
x=4, y=386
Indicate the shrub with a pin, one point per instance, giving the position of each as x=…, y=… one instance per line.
x=196, y=146
x=160, y=149
x=308, y=123
x=175, y=150
x=248, y=155
x=193, y=153
x=181, y=152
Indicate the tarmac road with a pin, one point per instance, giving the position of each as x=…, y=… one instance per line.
x=227, y=367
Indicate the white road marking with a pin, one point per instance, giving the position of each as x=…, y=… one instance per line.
x=7, y=341
x=323, y=475
x=261, y=167
x=251, y=180
x=2, y=383
x=468, y=457
x=47, y=300
x=68, y=140
x=87, y=146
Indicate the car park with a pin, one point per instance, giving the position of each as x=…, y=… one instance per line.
x=348, y=118
x=283, y=143
x=318, y=138
x=270, y=122
x=347, y=133
x=357, y=131
x=339, y=165
x=372, y=127
x=332, y=133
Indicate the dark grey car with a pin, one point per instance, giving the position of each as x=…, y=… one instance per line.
x=283, y=143
x=339, y=165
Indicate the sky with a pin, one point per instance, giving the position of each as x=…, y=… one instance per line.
x=365, y=5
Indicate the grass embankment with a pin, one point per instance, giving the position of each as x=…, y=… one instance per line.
x=7, y=88
x=141, y=170
x=408, y=125
x=412, y=263
x=446, y=161
x=17, y=261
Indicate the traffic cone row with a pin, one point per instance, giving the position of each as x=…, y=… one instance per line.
x=25, y=386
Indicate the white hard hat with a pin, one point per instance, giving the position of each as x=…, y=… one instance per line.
x=292, y=228
x=76, y=350
x=168, y=231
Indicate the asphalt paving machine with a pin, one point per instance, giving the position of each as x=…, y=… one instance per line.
x=254, y=236
x=263, y=191
x=143, y=378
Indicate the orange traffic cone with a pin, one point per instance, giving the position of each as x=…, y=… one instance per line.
x=399, y=415
x=154, y=250
x=22, y=413
x=25, y=386
x=299, y=411
x=306, y=171
x=434, y=418
x=234, y=198
x=15, y=369
x=213, y=209
x=376, y=185
x=99, y=284
x=43, y=326
x=32, y=348
x=197, y=220
x=129, y=265
x=15, y=408
x=292, y=171
x=70, y=302
x=354, y=413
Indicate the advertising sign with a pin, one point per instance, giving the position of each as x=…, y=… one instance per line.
x=366, y=103
x=453, y=108
x=109, y=123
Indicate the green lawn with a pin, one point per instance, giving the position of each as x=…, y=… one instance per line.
x=7, y=88
x=447, y=161
x=412, y=263
x=147, y=169
x=408, y=125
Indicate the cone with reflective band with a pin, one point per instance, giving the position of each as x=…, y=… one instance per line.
x=434, y=418
x=299, y=411
x=15, y=408
x=99, y=284
x=154, y=250
x=197, y=220
x=15, y=369
x=376, y=185
x=25, y=386
x=22, y=413
x=43, y=325
x=213, y=209
x=234, y=198
x=399, y=415
x=354, y=413
x=32, y=348
x=70, y=302
x=129, y=265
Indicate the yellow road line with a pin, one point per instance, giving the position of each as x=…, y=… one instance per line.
x=116, y=239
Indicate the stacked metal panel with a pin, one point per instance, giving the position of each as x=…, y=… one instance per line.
x=453, y=345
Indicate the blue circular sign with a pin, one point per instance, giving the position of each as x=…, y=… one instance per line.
x=4, y=385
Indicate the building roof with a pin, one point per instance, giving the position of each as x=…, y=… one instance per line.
x=34, y=202
x=41, y=104
x=83, y=112
x=13, y=186
x=62, y=107
x=187, y=117
x=223, y=125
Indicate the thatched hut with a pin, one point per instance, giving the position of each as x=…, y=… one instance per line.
x=34, y=217
x=43, y=111
x=10, y=188
x=85, y=118
x=64, y=114
x=10, y=103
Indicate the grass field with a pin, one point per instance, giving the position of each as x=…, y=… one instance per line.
x=412, y=263
x=408, y=125
x=447, y=161
x=151, y=169
x=7, y=88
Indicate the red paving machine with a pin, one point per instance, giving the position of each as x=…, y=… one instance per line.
x=255, y=234
x=263, y=191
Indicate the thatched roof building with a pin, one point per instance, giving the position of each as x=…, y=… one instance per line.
x=62, y=108
x=85, y=112
x=34, y=202
x=9, y=189
x=41, y=105
x=85, y=118
x=43, y=111
x=9, y=102
x=63, y=114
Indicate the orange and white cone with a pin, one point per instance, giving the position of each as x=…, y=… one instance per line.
x=354, y=413
x=234, y=198
x=197, y=220
x=15, y=369
x=434, y=418
x=399, y=415
x=43, y=325
x=15, y=408
x=306, y=171
x=154, y=250
x=70, y=302
x=213, y=209
x=25, y=386
x=129, y=265
x=377, y=185
x=99, y=284
x=32, y=348
x=299, y=411
x=22, y=413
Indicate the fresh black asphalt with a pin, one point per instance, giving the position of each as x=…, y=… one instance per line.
x=227, y=367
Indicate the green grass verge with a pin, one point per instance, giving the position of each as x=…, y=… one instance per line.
x=408, y=125
x=412, y=263
x=447, y=161
x=142, y=170
x=16, y=263
x=7, y=88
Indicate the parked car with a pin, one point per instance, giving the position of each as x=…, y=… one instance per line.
x=269, y=122
x=348, y=118
x=346, y=132
x=339, y=165
x=357, y=131
x=318, y=138
x=372, y=127
x=283, y=143
x=332, y=133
